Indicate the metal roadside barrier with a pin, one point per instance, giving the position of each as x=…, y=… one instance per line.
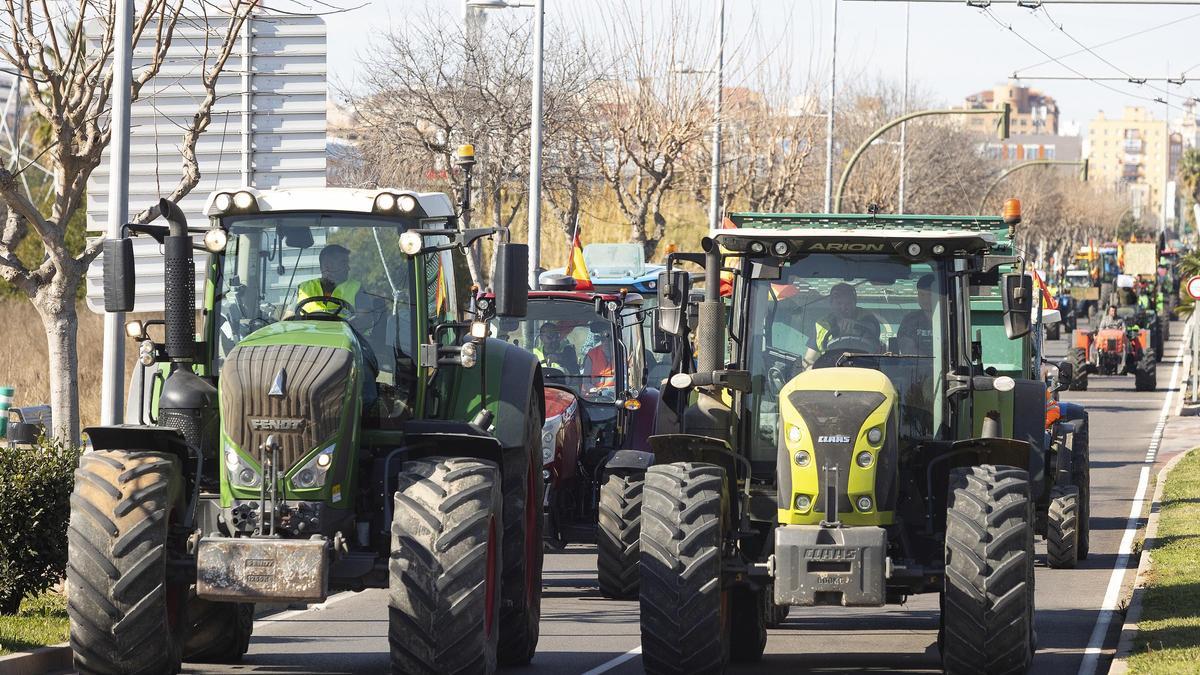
x=1194, y=371
x=6, y=397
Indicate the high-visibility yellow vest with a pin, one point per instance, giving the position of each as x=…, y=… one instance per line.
x=347, y=290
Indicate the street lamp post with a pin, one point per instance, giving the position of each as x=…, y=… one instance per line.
x=1003, y=112
x=535, y=127
x=1083, y=174
x=714, y=207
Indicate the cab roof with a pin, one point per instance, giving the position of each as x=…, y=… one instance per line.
x=346, y=200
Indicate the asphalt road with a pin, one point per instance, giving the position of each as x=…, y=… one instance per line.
x=584, y=633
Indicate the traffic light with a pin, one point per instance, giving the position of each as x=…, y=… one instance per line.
x=1002, y=128
x=1083, y=171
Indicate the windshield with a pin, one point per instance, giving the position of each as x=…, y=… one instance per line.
x=825, y=308
x=281, y=266
x=1078, y=280
x=615, y=260
x=574, y=344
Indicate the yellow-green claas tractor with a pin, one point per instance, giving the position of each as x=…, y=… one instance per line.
x=335, y=424
x=829, y=455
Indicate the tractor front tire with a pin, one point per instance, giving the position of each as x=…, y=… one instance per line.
x=1079, y=368
x=1062, y=528
x=124, y=615
x=1081, y=478
x=1145, y=376
x=987, y=600
x=617, y=534
x=218, y=632
x=683, y=612
x=521, y=587
x=1053, y=332
x=444, y=571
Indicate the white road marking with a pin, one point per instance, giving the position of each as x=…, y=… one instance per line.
x=1108, y=609
x=291, y=613
x=613, y=663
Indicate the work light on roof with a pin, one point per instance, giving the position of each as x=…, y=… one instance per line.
x=411, y=243
x=781, y=248
x=215, y=240
x=407, y=203
x=223, y=201
x=243, y=200
x=385, y=202
x=938, y=249
x=914, y=249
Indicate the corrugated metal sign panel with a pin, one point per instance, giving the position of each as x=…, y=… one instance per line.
x=267, y=130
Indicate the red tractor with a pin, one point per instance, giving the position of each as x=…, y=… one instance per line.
x=599, y=415
x=1114, y=351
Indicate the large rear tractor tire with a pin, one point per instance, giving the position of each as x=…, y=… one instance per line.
x=1145, y=377
x=218, y=632
x=1078, y=360
x=1062, y=528
x=987, y=601
x=618, y=531
x=444, y=572
x=125, y=617
x=521, y=587
x=1081, y=478
x=685, y=628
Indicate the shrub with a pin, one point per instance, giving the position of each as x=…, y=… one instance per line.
x=35, y=493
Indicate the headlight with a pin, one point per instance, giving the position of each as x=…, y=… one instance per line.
x=241, y=472
x=407, y=203
x=874, y=436
x=802, y=458
x=781, y=248
x=864, y=503
x=550, y=437
x=914, y=249
x=312, y=473
x=794, y=434
x=411, y=243
x=468, y=355
x=864, y=459
x=244, y=200
x=215, y=240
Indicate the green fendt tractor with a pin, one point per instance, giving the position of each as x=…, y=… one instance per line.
x=830, y=455
x=336, y=424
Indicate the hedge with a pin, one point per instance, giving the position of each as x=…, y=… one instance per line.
x=35, y=494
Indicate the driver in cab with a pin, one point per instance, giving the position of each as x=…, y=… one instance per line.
x=554, y=351
x=845, y=320
x=335, y=282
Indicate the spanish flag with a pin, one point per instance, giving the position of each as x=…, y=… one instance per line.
x=1048, y=301
x=577, y=266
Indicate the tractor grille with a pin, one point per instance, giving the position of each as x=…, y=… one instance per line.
x=309, y=410
x=1112, y=345
x=832, y=417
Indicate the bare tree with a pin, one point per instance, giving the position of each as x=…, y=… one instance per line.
x=649, y=114
x=63, y=56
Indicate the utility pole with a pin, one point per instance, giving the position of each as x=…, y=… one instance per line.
x=714, y=207
x=535, y=146
x=113, y=380
x=832, y=108
x=904, y=111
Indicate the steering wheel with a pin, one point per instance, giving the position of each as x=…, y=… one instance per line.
x=852, y=344
x=342, y=305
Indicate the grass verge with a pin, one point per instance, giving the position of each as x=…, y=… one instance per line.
x=1168, y=639
x=41, y=621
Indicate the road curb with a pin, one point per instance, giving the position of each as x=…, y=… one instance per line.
x=1120, y=662
x=37, y=662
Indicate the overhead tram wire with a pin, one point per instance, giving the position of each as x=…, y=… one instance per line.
x=987, y=11
x=1131, y=78
x=1115, y=40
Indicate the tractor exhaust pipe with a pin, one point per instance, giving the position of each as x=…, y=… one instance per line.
x=710, y=324
x=180, y=292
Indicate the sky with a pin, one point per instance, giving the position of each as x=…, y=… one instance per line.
x=954, y=49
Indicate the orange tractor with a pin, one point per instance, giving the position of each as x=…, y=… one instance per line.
x=1114, y=351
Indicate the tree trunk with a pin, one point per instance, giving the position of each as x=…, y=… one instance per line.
x=55, y=303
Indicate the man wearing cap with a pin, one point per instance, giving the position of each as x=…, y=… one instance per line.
x=554, y=351
x=845, y=320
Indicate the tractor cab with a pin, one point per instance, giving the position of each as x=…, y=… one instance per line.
x=598, y=406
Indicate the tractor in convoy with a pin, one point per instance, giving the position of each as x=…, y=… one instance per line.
x=599, y=414
x=841, y=447
x=1121, y=347
x=1059, y=473
x=337, y=423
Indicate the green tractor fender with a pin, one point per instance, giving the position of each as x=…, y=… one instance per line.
x=513, y=375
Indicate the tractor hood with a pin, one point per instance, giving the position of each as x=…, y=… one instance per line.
x=336, y=334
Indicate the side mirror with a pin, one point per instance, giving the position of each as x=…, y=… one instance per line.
x=1018, y=305
x=660, y=339
x=673, y=289
x=1066, y=375
x=511, y=283
x=118, y=275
